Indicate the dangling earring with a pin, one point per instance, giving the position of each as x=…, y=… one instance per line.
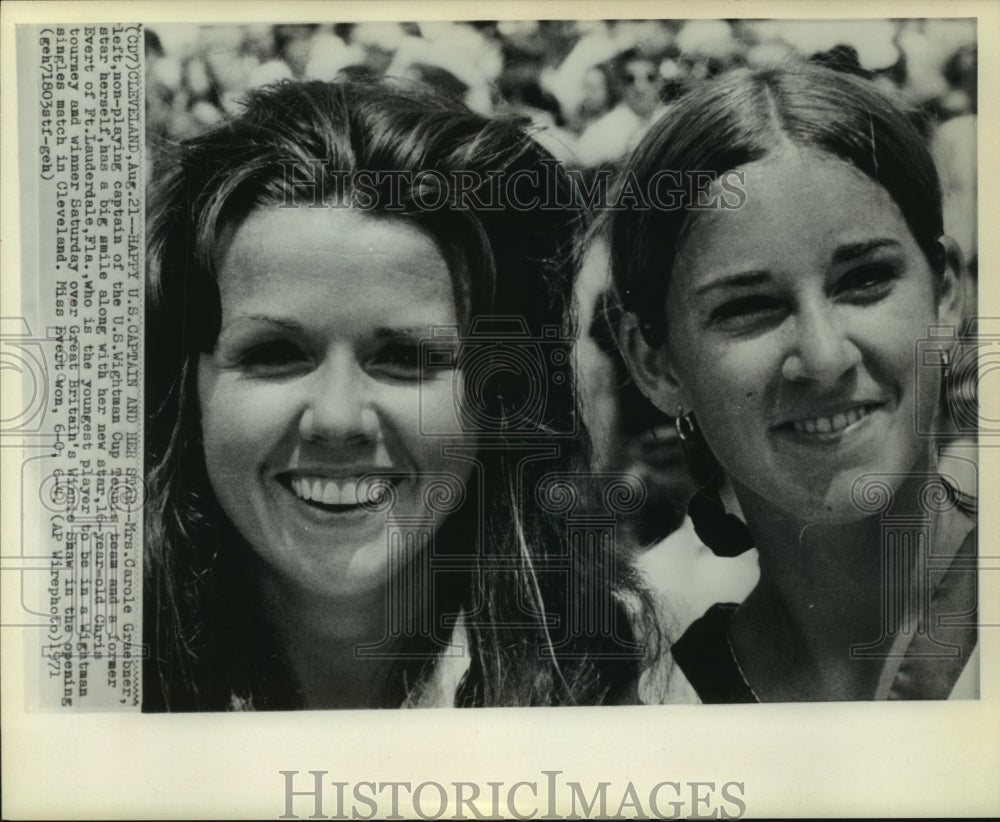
x=724, y=533
x=684, y=423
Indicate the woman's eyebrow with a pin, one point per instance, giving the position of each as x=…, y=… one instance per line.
x=736, y=280
x=851, y=251
x=281, y=322
x=842, y=254
x=386, y=333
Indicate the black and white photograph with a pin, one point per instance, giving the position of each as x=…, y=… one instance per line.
x=364, y=426
x=618, y=371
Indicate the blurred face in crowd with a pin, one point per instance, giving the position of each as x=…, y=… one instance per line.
x=315, y=382
x=596, y=95
x=641, y=84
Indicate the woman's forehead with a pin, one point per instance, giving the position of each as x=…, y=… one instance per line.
x=346, y=249
x=795, y=201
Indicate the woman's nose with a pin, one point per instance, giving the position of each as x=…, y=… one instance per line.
x=823, y=350
x=337, y=407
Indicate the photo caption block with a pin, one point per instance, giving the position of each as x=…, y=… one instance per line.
x=89, y=172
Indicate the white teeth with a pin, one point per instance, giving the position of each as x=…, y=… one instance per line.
x=326, y=491
x=832, y=424
x=349, y=493
x=331, y=494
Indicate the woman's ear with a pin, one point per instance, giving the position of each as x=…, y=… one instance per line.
x=650, y=367
x=951, y=307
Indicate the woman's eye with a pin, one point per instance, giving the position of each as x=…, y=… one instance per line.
x=744, y=313
x=398, y=360
x=867, y=284
x=275, y=358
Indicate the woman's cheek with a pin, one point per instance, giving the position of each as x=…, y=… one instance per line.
x=246, y=416
x=729, y=389
x=727, y=378
x=440, y=401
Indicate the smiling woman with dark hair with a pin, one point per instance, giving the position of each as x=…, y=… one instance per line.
x=344, y=475
x=785, y=335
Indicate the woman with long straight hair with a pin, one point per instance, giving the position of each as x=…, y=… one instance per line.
x=362, y=420
x=794, y=317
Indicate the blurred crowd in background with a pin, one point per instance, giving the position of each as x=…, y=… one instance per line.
x=592, y=89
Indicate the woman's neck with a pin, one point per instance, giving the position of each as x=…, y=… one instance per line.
x=821, y=595
x=320, y=637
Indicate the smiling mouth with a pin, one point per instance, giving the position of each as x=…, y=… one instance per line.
x=829, y=424
x=336, y=495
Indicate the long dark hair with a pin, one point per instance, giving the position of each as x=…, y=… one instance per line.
x=209, y=647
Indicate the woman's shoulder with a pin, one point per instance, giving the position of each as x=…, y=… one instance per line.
x=706, y=657
x=439, y=688
x=687, y=582
x=686, y=578
x=941, y=661
x=700, y=666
